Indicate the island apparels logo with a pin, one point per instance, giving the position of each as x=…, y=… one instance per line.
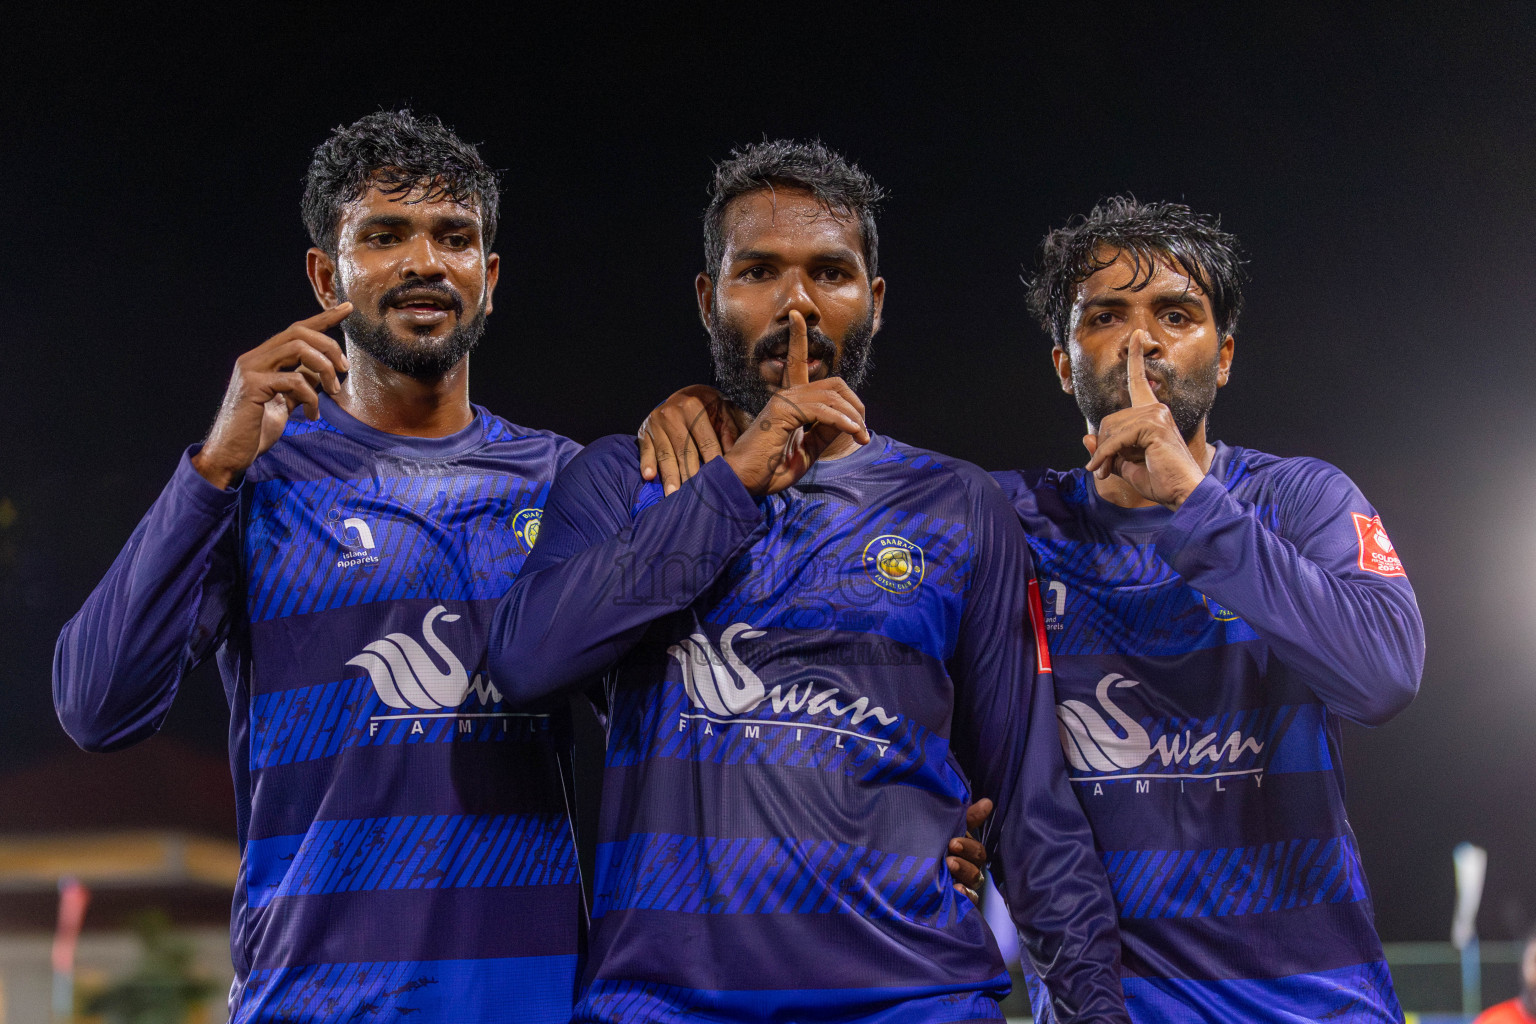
x=356, y=534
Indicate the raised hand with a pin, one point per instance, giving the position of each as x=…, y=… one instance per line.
x=693, y=426
x=268, y=383
x=1142, y=444
x=797, y=424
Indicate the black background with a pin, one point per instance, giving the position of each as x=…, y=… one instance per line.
x=1379, y=165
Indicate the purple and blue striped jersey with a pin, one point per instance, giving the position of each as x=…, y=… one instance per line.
x=803, y=693
x=1203, y=661
x=406, y=837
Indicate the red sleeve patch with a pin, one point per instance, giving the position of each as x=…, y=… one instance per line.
x=1376, y=552
x=1037, y=620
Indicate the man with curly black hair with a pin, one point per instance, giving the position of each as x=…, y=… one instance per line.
x=406, y=839
x=1215, y=613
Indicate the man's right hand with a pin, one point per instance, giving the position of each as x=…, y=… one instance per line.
x=269, y=382
x=797, y=424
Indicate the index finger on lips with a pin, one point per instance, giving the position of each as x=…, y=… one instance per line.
x=797, y=369
x=1136, y=371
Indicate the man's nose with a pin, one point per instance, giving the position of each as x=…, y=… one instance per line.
x=797, y=296
x=1154, y=344
x=419, y=258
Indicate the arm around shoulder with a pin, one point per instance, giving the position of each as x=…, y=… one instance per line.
x=600, y=575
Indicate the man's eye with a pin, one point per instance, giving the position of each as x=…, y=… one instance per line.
x=1102, y=319
x=456, y=241
x=381, y=238
x=1175, y=317
x=755, y=273
x=832, y=274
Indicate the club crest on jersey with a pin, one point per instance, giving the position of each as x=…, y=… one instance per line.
x=1219, y=613
x=1376, y=552
x=894, y=563
x=404, y=675
x=525, y=527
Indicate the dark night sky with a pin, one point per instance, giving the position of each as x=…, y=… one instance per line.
x=1378, y=167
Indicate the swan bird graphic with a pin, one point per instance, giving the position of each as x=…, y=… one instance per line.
x=404, y=674
x=719, y=682
x=1091, y=742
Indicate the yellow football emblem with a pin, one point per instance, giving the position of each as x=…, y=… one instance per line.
x=894, y=563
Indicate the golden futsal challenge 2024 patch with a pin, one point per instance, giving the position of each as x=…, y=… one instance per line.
x=894, y=563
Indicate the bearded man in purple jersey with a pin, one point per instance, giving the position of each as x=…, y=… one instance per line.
x=1214, y=614
x=406, y=839
x=811, y=655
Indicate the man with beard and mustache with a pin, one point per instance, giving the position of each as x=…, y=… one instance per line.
x=1214, y=614
x=406, y=846
x=811, y=656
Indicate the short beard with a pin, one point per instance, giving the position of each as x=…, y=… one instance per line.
x=425, y=359
x=737, y=362
x=1189, y=398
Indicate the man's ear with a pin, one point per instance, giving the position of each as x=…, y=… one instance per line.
x=877, y=292
x=1063, y=362
x=321, y=270
x=492, y=273
x=705, y=289
x=1224, y=361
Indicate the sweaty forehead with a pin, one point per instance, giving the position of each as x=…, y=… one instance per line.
x=377, y=200
x=1154, y=276
x=784, y=219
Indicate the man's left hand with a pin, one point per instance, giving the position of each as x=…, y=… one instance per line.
x=1142, y=445
x=968, y=858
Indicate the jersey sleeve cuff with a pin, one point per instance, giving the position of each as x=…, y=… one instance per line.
x=1205, y=503
x=720, y=489
x=191, y=489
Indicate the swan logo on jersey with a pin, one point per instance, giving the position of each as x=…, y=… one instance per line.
x=1376, y=552
x=1092, y=740
x=525, y=527
x=719, y=682
x=405, y=676
x=894, y=563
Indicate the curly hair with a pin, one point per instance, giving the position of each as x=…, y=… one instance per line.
x=833, y=181
x=400, y=153
x=1150, y=233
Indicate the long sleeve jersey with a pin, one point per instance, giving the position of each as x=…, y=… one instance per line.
x=1204, y=659
x=407, y=851
x=804, y=692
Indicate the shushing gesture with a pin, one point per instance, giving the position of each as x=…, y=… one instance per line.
x=1142, y=444
x=799, y=422
x=269, y=382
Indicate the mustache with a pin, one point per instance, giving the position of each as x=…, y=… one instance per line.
x=437, y=288
x=817, y=346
